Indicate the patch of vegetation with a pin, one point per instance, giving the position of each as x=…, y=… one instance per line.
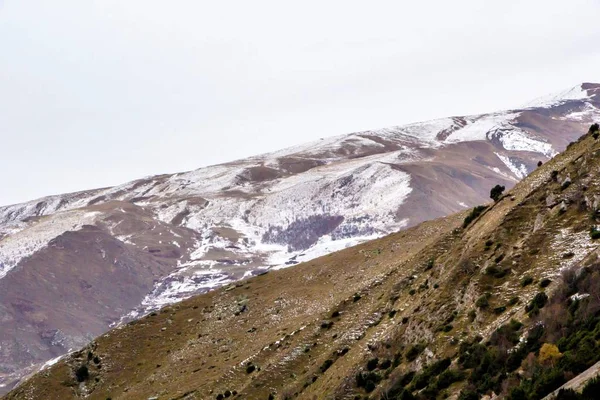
x=527, y=280
x=563, y=344
x=538, y=301
x=483, y=300
x=368, y=380
x=430, y=264
x=82, y=373
x=594, y=233
x=497, y=272
x=496, y=192
x=475, y=212
x=414, y=351
x=372, y=364
x=545, y=282
x=326, y=364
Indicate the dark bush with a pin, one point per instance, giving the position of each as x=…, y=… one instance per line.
x=448, y=377
x=413, y=351
x=528, y=280
x=539, y=301
x=496, y=192
x=595, y=233
x=476, y=212
x=82, y=373
x=499, y=310
x=250, y=368
x=591, y=390
x=545, y=282
x=497, y=272
x=372, y=364
x=430, y=264
x=483, y=301
x=367, y=380
x=325, y=366
x=539, y=164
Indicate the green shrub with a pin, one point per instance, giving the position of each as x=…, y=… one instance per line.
x=368, y=380
x=413, y=351
x=595, y=233
x=326, y=364
x=591, y=390
x=499, y=310
x=496, y=192
x=527, y=280
x=476, y=212
x=483, y=300
x=430, y=264
x=448, y=377
x=372, y=364
x=82, y=373
x=497, y=272
x=545, y=282
x=538, y=301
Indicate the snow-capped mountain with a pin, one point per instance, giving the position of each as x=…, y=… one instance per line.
x=72, y=265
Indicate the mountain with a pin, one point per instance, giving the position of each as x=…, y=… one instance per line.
x=503, y=299
x=74, y=265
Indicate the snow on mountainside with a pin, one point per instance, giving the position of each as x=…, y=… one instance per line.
x=168, y=237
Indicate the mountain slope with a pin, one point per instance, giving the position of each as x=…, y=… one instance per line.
x=357, y=322
x=160, y=239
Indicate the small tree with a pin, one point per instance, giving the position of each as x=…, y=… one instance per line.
x=539, y=164
x=595, y=130
x=496, y=192
x=549, y=354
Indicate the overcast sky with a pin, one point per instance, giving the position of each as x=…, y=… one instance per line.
x=96, y=93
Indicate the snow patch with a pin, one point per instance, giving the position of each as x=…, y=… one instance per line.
x=574, y=93
x=519, y=171
x=25, y=243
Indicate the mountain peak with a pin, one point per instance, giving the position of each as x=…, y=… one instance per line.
x=582, y=91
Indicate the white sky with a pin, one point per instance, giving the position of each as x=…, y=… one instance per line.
x=96, y=93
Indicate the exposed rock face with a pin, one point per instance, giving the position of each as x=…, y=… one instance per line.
x=72, y=265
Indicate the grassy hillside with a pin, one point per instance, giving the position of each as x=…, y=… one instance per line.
x=500, y=303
